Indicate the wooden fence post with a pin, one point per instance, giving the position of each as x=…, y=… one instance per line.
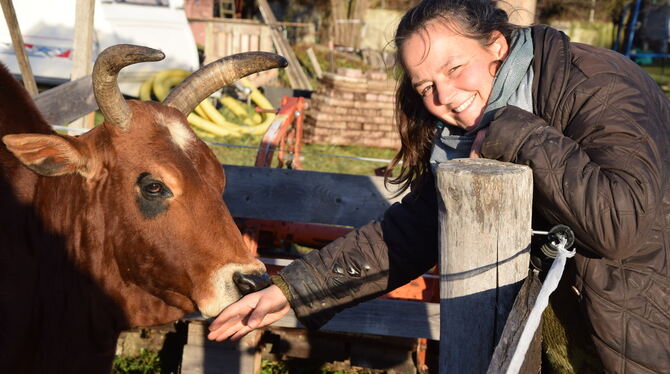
x=485, y=229
x=19, y=48
x=82, y=63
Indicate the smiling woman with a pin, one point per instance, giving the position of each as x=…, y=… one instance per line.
x=592, y=126
x=452, y=72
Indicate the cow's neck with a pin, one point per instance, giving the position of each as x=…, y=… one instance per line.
x=54, y=300
x=62, y=280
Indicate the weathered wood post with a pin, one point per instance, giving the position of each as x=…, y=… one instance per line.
x=82, y=63
x=19, y=48
x=485, y=229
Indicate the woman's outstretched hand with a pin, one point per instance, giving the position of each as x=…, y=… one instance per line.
x=254, y=310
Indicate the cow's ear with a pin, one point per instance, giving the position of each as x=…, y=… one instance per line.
x=50, y=155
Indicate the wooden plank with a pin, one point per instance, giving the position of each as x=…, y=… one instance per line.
x=285, y=50
x=305, y=196
x=315, y=62
x=216, y=360
x=82, y=63
x=228, y=37
x=19, y=49
x=223, y=39
x=485, y=229
x=297, y=77
x=235, y=44
x=357, y=15
x=67, y=102
x=255, y=43
x=516, y=321
x=245, y=42
x=202, y=356
x=228, y=47
x=339, y=14
x=211, y=45
x=265, y=39
x=387, y=317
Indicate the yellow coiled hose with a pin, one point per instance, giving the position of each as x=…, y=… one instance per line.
x=205, y=117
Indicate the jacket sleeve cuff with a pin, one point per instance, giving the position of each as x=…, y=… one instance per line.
x=510, y=128
x=278, y=281
x=298, y=284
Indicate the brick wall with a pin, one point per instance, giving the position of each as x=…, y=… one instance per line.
x=352, y=108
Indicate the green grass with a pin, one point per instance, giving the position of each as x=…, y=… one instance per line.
x=316, y=157
x=302, y=366
x=148, y=362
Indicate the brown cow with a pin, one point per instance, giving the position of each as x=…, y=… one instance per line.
x=122, y=226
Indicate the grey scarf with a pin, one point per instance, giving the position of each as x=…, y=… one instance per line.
x=512, y=86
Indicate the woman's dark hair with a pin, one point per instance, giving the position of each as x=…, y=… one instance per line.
x=476, y=19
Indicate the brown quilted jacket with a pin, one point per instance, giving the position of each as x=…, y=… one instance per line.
x=599, y=148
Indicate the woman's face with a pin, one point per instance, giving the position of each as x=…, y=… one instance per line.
x=451, y=72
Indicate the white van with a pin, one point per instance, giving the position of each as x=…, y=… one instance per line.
x=47, y=27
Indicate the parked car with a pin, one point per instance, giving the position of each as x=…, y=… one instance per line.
x=48, y=26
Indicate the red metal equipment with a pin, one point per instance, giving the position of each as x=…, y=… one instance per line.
x=284, y=132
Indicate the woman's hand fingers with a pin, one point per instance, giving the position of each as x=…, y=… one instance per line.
x=224, y=333
x=234, y=312
x=255, y=310
x=477, y=144
x=264, y=318
x=227, y=328
x=269, y=309
x=241, y=332
x=232, y=318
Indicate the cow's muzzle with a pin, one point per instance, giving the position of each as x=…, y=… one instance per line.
x=248, y=283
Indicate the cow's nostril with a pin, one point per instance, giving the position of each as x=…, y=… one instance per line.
x=248, y=283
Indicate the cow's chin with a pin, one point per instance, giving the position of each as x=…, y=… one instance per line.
x=224, y=292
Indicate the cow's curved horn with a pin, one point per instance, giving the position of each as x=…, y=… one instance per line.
x=105, y=88
x=213, y=76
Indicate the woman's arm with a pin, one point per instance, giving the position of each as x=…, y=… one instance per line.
x=367, y=262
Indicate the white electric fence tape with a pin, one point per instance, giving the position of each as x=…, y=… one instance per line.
x=549, y=285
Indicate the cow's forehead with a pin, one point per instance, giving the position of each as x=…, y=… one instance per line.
x=179, y=133
x=159, y=136
x=149, y=115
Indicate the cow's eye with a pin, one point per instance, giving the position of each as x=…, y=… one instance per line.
x=152, y=188
x=153, y=195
